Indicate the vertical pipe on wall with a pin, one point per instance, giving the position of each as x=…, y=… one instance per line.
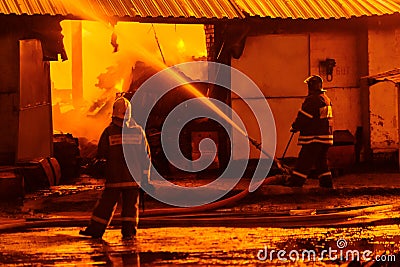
x=309, y=54
x=398, y=122
x=363, y=66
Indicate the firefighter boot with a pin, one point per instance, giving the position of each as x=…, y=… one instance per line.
x=89, y=233
x=325, y=180
x=93, y=230
x=128, y=230
x=129, y=236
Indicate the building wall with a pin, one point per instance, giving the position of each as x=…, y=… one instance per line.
x=278, y=71
x=26, y=119
x=344, y=89
x=383, y=55
x=279, y=68
x=35, y=133
x=9, y=98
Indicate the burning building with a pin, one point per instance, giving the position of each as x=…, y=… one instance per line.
x=276, y=44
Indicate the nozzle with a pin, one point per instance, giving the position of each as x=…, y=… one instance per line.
x=255, y=143
x=280, y=166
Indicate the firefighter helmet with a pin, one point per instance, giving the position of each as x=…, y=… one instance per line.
x=314, y=83
x=122, y=109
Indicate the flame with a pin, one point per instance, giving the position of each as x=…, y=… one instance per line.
x=181, y=46
x=119, y=86
x=135, y=42
x=105, y=73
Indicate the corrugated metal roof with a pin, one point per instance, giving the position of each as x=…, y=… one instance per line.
x=33, y=7
x=185, y=8
x=389, y=76
x=317, y=9
x=124, y=8
x=203, y=9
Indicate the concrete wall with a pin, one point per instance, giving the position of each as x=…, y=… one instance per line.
x=278, y=64
x=344, y=87
x=383, y=55
x=279, y=69
x=35, y=132
x=23, y=129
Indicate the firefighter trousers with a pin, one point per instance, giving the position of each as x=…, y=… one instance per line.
x=314, y=155
x=106, y=205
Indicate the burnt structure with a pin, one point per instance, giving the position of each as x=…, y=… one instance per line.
x=27, y=44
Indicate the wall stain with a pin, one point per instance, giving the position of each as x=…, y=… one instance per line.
x=378, y=132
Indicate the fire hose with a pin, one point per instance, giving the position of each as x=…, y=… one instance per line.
x=155, y=212
x=224, y=202
x=357, y=216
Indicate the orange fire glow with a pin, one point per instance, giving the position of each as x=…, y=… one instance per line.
x=119, y=85
x=105, y=73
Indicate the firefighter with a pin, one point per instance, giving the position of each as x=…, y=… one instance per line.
x=119, y=180
x=314, y=121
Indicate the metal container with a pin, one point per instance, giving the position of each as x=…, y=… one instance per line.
x=342, y=154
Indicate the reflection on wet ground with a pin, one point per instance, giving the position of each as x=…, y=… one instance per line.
x=201, y=246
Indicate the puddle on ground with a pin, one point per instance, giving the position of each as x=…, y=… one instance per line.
x=200, y=246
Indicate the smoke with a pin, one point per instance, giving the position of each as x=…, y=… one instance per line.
x=106, y=72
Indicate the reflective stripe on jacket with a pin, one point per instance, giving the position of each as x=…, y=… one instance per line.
x=110, y=147
x=314, y=120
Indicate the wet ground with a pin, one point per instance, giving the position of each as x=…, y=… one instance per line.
x=202, y=246
x=243, y=241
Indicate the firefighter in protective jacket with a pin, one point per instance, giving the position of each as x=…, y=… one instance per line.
x=314, y=121
x=119, y=179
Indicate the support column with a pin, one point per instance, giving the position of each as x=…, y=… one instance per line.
x=398, y=121
x=363, y=66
